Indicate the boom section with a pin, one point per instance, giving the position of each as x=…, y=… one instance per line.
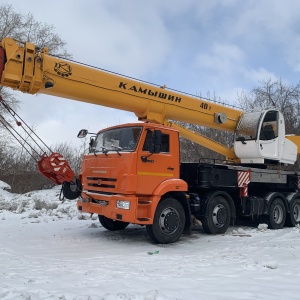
x=30, y=70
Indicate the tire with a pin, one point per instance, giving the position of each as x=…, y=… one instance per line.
x=293, y=218
x=168, y=223
x=72, y=190
x=276, y=214
x=112, y=225
x=218, y=215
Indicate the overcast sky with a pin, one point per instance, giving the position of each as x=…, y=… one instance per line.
x=196, y=46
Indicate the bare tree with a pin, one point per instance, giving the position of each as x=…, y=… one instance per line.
x=275, y=94
x=19, y=168
x=16, y=166
x=10, y=22
x=43, y=35
x=26, y=29
x=191, y=151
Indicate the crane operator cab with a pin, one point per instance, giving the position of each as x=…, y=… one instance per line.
x=260, y=138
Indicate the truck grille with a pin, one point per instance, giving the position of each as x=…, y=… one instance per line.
x=101, y=185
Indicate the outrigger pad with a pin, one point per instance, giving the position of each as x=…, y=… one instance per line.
x=56, y=168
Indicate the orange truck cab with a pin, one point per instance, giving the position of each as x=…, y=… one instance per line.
x=128, y=170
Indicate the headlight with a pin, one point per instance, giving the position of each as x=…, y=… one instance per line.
x=123, y=204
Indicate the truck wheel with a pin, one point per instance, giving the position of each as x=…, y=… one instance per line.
x=112, y=225
x=276, y=214
x=72, y=190
x=293, y=218
x=218, y=215
x=168, y=223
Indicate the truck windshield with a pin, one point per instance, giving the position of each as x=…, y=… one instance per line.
x=119, y=139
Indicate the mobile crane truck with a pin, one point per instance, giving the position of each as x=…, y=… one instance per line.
x=132, y=173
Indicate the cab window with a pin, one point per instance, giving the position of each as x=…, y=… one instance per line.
x=165, y=142
x=269, y=128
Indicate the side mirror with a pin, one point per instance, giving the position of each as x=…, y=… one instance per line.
x=82, y=133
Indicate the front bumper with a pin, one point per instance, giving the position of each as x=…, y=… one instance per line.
x=139, y=212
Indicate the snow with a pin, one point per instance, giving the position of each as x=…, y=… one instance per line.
x=4, y=185
x=48, y=250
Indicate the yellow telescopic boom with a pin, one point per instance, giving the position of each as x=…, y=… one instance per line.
x=27, y=69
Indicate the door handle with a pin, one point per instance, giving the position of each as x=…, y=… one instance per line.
x=170, y=168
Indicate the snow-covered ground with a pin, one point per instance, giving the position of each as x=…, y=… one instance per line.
x=50, y=251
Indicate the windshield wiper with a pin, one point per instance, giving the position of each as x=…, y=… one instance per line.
x=117, y=149
x=103, y=149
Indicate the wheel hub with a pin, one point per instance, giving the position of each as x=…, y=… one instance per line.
x=169, y=220
x=296, y=212
x=278, y=214
x=219, y=215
